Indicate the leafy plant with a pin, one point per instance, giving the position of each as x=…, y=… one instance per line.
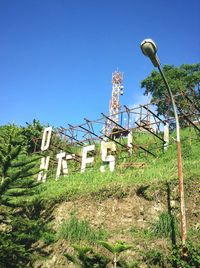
x=85, y=257
x=115, y=249
x=154, y=258
x=186, y=257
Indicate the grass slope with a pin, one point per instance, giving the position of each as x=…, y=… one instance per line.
x=161, y=168
x=138, y=206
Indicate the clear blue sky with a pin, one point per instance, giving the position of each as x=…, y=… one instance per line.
x=57, y=56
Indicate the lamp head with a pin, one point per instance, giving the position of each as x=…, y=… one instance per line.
x=149, y=49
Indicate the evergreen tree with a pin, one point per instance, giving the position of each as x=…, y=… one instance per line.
x=17, y=184
x=16, y=169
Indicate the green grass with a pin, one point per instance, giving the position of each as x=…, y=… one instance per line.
x=141, y=233
x=162, y=168
x=165, y=225
x=75, y=230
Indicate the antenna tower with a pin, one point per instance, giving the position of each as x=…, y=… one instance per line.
x=114, y=109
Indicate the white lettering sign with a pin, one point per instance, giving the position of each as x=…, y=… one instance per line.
x=130, y=141
x=107, y=149
x=86, y=160
x=166, y=136
x=61, y=164
x=44, y=165
x=105, y=146
x=46, y=138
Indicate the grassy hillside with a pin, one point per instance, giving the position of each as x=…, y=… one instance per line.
x=151, y=170
x=127, y=218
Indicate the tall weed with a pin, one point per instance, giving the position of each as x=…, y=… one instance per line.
x=75, y=230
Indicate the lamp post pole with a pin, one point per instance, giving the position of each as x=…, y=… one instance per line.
x=149, y=49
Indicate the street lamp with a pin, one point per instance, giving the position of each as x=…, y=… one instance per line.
x=149, y=49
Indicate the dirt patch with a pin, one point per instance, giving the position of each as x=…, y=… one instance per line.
x=112, y=213
x=119, y=213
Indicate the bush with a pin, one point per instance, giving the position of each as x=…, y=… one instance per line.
x=154, y=257
x=185, y=257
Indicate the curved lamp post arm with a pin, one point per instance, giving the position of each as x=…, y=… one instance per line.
x=149, y=49
x=173, y=104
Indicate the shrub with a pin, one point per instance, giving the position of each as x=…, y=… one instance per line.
x=86, y=257
x=186, y=257
x=154, y=257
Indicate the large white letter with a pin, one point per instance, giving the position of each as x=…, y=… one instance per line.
x=108, y=158
x=130, y=140
x=85, y=159
x=166, y=135
x=61, y=164
x=46, y=138
x=44, y=165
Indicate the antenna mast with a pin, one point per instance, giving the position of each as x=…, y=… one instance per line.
x=114, y=109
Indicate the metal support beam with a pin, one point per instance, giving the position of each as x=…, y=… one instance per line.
x=150, y=132
x=193, y=103
x=117, y=142
x=78, y=142
x=153, y=114
x=114, y=122
x=187, y=119
x=147, y=151
x=89, y=131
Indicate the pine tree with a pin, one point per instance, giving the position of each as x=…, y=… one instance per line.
x=17, y=170
x=17, y=184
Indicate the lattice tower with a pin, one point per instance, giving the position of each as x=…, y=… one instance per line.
x=114, y=109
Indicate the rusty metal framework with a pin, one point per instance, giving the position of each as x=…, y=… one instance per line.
x=141, y=120
x=189, y=109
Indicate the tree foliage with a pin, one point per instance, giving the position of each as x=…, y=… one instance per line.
x=16, y=169
x=185, y=78
x=17, y=230
x=33, y=135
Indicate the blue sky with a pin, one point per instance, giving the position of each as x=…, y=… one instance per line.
x=57, y=56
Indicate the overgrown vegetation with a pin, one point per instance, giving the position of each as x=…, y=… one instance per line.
x=26, y=206
x=20, y=225
x=86, y=257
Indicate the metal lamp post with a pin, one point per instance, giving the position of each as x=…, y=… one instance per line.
x=149, y=49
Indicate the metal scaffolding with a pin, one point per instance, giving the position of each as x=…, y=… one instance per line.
x=141, y=120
